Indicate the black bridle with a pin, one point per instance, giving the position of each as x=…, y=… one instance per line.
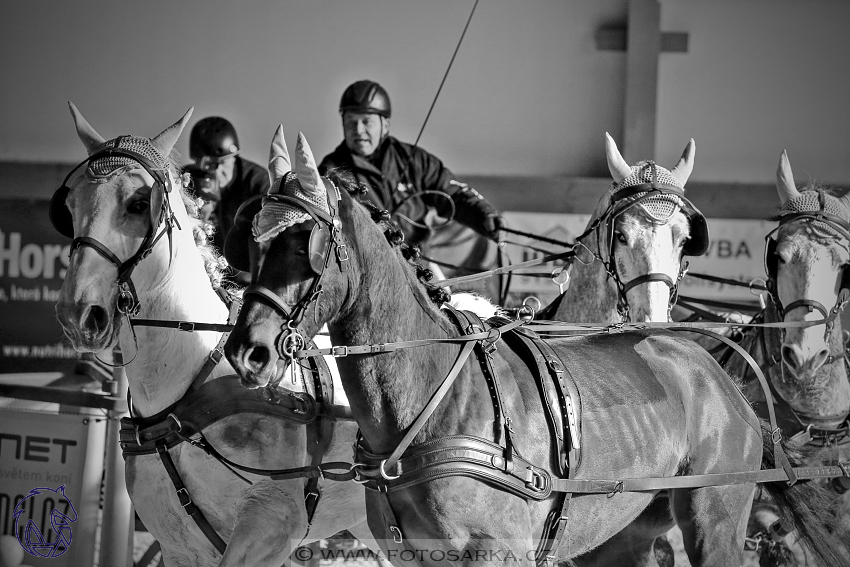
x=835, y=223
x=290, y=340
x=128, y=302
x=618, y=205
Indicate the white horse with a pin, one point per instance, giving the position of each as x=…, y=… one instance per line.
x=115, y=202
x=632, y=236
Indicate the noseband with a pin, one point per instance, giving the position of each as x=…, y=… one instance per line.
x=324, y=236
x=128, y=302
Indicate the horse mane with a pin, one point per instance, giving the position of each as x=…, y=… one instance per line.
x=214, y=262
x=393, y=233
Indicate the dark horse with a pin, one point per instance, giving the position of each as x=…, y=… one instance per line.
x=646, y=404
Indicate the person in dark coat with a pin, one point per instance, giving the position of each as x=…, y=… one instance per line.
x=222, y=178
x=412, y=184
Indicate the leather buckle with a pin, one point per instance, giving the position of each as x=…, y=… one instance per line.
x=535, y=480
x=339, y=351
x=341, y=252
x=556, y=365
x=183, y=496
x=186, y=326
x=216, y=355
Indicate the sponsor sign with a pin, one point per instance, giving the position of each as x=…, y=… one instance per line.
x=33, y=261
x=736, y=252
x=39, y=453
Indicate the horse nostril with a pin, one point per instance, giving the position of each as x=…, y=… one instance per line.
x=95, y=319
x=256, y=358
x=819, y=359
x=789, y=356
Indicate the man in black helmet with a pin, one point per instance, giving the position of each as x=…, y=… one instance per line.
x=411, y=183
x=222, y=177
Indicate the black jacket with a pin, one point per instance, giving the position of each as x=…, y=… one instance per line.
x=406, y=172
x=249, y=179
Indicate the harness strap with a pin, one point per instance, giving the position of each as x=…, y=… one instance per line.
x=429, y=408
x=186, y=501
x=217, y=353
x=470, y=323
x=779, y=455
x=612, y=487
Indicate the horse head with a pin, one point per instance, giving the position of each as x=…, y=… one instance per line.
x=643, y=227
x=291, y=242
x=122, y=213
x=807, y=265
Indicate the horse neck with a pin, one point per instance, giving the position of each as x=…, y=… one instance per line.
x=387, y=390
x=592, y=295
x=167, y=360
x=828, y=394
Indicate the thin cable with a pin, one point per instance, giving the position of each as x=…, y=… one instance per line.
x=433, y=102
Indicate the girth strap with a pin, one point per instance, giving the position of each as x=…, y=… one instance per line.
x=186, y=501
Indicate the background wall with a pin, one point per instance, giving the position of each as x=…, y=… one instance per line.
x=526, y=95
x=523, y=112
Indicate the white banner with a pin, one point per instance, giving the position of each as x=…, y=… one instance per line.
x=736, y=252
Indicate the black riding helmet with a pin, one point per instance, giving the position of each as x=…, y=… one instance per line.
x=213, y=137
x=366, y=96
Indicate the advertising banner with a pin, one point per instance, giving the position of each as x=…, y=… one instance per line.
x=50, y=473
x=33, y=260
x=736, y=252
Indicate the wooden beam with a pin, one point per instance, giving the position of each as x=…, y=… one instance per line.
x=642, y=50
x=615, y=39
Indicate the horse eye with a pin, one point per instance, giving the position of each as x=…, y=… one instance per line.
x=621, y=238
x=301, y=251
x=137, y=207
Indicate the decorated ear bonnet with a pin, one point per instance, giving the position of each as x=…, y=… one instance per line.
x=660, y=195
x=824, y=211
x=105, y=162
x=286, y=204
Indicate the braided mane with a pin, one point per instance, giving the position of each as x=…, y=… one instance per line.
x=394, y=236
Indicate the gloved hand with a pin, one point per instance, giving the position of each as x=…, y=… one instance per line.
x=493, y=225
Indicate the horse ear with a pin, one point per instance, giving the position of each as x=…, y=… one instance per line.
x=785, y=180
x=305, y=167
x=682, y=171
x=616, y=164
x=87, y=134
x=164, y=143
x=279, y=164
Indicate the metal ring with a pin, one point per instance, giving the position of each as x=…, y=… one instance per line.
x=177, y=421
x=496, y=337
x=577, y=257
x=384, y=473
x=360, y=480
x=291, y=343
x=532, y=298
x=757, y=281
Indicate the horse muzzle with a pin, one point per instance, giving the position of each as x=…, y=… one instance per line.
x=90, y=327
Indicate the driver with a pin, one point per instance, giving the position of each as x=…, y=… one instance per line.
x=411, y=183
x=222, y=178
